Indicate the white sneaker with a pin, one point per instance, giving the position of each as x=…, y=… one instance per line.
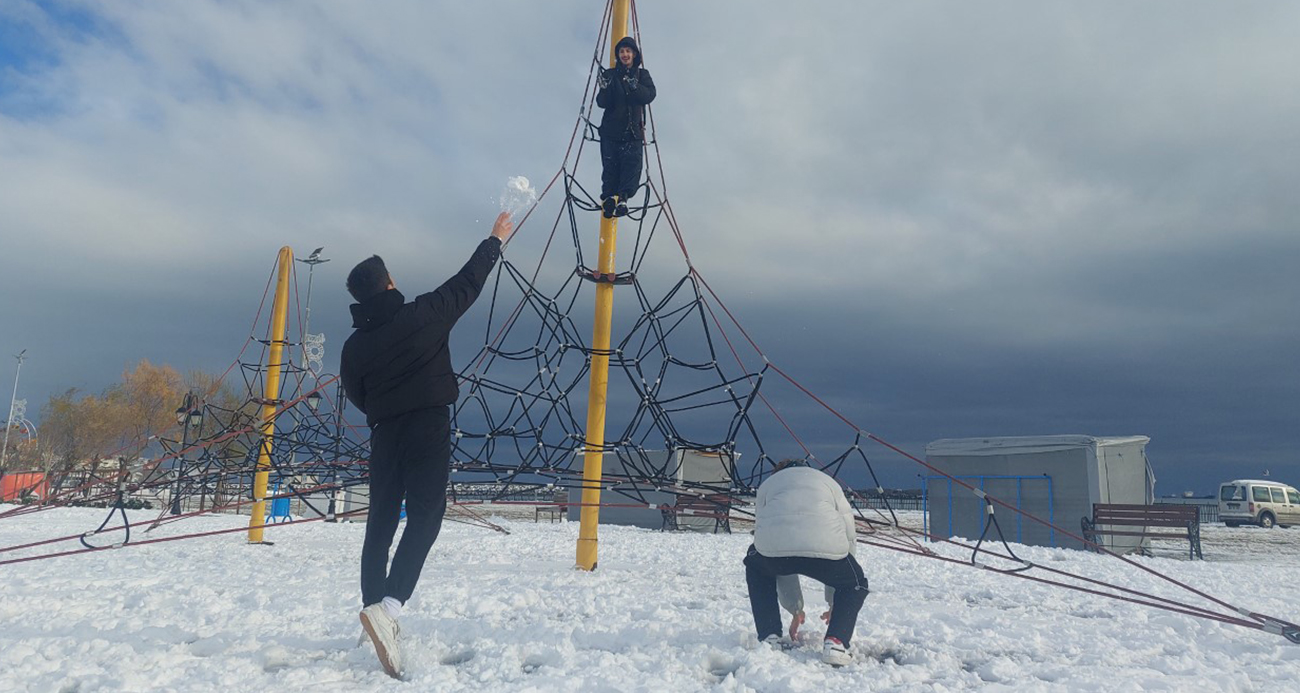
x=835, y=653
x=385, y=634
x=776, y=642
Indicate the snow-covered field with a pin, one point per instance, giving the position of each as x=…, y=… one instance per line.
x=664, y=612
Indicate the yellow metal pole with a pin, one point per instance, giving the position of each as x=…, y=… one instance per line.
x=270, y=395
x=593, y=455
x=618, y=28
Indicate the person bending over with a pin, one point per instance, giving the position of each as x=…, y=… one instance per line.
x=804, y=526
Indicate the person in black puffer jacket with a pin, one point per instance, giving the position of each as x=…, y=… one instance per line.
x=396, y=368
x=624, y=91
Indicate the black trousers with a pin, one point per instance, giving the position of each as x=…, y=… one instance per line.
x=845, y=575
x=410, y=457
x=620, y=168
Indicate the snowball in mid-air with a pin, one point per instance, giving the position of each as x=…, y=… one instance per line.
x=518, y=196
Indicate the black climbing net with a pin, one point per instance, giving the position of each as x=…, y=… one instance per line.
x=679, y=390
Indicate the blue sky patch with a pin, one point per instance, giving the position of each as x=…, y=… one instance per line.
x=32, y=40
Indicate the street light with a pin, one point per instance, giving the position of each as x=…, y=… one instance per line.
x=188, y=415
x=313, y=348
x=335, y=501
x=9, y=420
x=311, y=261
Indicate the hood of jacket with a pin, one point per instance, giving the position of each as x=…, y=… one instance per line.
x=377, y=310
x=636, y=52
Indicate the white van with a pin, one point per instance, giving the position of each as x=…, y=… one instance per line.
x=1255, y=502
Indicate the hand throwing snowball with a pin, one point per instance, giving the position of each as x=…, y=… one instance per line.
x=396, y=369
x=804, y=526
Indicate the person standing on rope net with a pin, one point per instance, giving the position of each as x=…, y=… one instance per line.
x=623, y=91
x=396, y=369
x=803, y=525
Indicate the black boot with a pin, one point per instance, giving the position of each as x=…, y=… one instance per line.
x=621, y=209
x=608, y=206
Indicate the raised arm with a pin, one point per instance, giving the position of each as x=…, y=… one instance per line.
x=450, y=301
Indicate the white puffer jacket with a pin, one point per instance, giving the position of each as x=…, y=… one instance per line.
x=803, y=512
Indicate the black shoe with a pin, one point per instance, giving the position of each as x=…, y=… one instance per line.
x=608, y=206
x=621, y=210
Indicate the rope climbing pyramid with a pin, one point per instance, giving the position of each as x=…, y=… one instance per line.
x=683, y=377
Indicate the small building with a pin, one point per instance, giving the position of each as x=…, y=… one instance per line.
x=626, y=495
x=1056, y=478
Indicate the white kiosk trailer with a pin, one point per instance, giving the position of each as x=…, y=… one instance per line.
x=705, y=472
x=1056, y=478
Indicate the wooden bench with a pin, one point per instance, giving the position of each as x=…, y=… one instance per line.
x=715, y=506
x=1107, y=517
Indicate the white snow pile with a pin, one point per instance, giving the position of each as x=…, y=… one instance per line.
x=664, y=612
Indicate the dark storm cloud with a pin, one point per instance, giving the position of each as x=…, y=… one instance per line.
x=945, y=220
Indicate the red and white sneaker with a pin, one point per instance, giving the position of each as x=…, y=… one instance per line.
x=835, y=653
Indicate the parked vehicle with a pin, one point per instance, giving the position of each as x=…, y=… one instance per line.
x=1255, y=502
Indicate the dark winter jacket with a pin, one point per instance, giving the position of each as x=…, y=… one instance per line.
x=397, y=360
x=623, y=94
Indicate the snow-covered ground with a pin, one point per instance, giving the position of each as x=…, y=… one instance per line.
x=664, y=612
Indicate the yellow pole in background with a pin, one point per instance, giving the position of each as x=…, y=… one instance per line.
x=270, y=395
x=593, y=455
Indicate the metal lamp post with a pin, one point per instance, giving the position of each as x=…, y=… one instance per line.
x=311, y=261
x=335, y=491
x=188, y=415
x=9, y=420
x=313, y=346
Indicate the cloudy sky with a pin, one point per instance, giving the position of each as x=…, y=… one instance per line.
x=947, y=219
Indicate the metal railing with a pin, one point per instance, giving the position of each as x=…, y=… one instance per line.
x=1208, y=506
x=895, y=503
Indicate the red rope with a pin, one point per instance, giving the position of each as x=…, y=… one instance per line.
x=193, y=535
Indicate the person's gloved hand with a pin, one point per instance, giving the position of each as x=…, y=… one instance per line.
x=795, y=622
x=602, y=80
x=630, y=83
